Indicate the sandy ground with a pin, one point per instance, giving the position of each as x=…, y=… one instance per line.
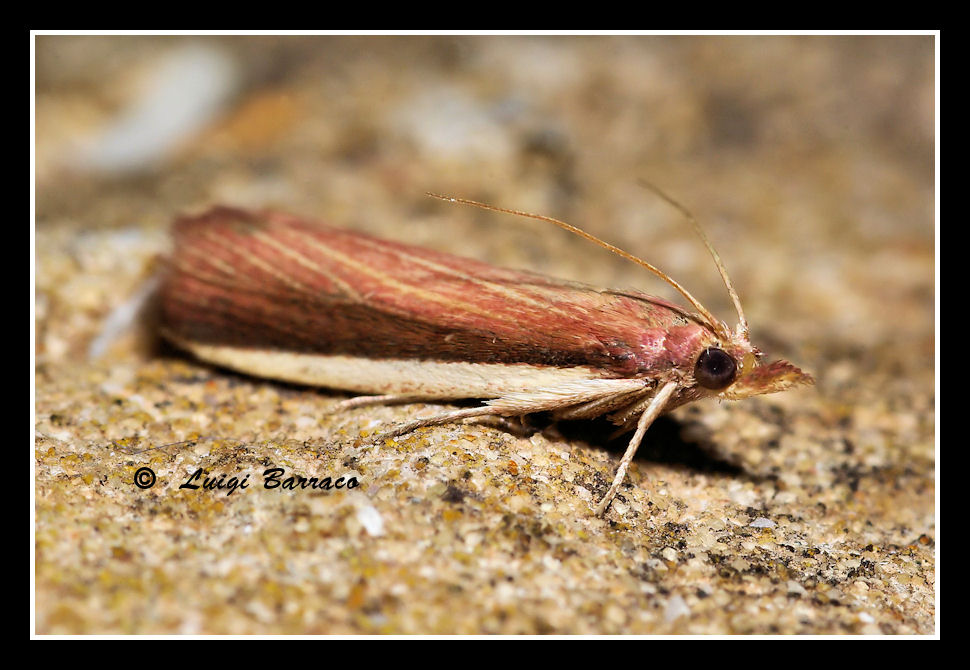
x=808, y=160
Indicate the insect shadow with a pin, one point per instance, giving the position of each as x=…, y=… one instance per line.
x=664, y=443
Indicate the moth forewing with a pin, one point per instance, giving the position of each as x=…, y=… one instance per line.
x=276, y=296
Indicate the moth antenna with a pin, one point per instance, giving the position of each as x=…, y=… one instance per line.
x=714, y=324
x=743, y=322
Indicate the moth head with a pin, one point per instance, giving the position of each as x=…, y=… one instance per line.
x=736, y=371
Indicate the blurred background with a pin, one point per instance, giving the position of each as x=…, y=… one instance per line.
x=808, y=160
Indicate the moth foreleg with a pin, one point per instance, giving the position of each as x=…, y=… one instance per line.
x=654, y=410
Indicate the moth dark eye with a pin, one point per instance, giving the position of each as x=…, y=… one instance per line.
x=715, y=369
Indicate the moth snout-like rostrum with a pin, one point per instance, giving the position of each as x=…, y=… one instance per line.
x=767, y=378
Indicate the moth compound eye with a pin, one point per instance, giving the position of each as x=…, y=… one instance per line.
x=715, y=369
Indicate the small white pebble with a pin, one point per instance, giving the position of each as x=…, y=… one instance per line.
x=305, y=422
x=676, y=607
x=371, y=520
x=762, y=522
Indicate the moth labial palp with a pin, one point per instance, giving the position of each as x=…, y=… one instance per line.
x=276, y=296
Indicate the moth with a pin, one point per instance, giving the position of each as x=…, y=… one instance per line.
x=276, y=296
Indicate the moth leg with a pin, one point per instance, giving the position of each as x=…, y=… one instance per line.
x=627, y=417
x=516, y=425
x=518, y=404
x=652, y=412
x=447, y=417
x=389, y=399
x=519, y=426
x=595, y=408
